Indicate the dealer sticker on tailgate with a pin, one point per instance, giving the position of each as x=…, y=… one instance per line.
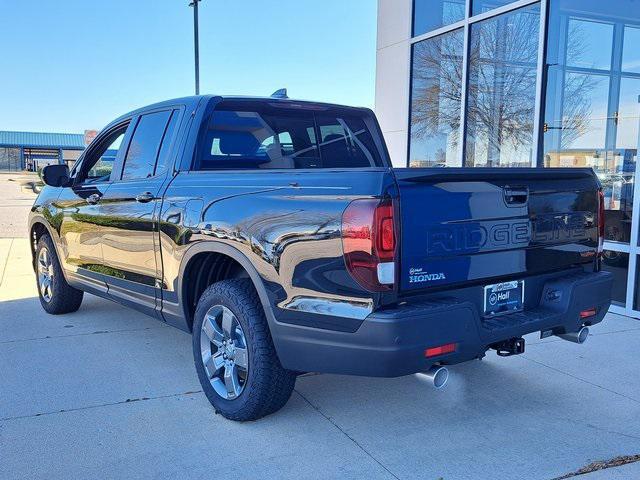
x=504, y=297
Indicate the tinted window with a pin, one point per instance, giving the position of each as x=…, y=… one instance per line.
x=254, y=135
x=345, y=142
x=145, y=145
x=164, y=159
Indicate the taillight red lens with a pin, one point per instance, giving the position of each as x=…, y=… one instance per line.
x=369, y=243
x=591, y=312
x=385, y=235
x=600, y=222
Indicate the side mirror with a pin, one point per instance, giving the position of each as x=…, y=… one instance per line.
x=55, y=175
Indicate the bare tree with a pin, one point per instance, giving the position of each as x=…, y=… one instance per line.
x=501, y=91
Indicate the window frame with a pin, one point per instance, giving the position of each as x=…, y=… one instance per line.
x=86, y=161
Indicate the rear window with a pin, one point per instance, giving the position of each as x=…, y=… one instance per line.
x=261, y=136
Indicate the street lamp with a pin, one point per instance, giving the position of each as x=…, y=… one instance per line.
x=194, y=4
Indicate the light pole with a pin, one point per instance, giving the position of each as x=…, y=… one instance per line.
x=194, y=4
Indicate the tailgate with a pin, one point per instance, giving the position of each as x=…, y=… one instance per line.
x=466, y=225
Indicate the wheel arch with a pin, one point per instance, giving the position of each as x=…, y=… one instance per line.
x=221, y=252
x=38, y=227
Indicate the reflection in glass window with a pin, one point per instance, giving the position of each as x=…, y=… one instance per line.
x=143, y=150
x=618, y=264
x=589, y=44
x=631, y=51
x=431, y=14
x=101, y=169
x=592, y=112
x=628, y=123
x=583, y=124
x=260, y=135
x=435, y=101
x=502, y=89
x=481, y=6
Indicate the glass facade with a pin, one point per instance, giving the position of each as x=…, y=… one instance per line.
x=482, y=6
x=501, y=92
x=486, y=92
x=431, y=14
x=618, y=264
x=436, y=87
x=592, y=112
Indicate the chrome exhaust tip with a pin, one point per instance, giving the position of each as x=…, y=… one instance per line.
x=576, y=337
x=438, y=376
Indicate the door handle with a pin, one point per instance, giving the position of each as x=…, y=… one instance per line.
x=516, y=196
x=145, y=197
x=93, y=198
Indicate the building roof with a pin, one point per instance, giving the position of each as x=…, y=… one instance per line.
x=42, y=140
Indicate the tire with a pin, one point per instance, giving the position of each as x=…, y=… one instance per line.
x=59, y=297
x=264, y=387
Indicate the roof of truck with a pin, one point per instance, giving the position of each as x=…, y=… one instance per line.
x=194, y=99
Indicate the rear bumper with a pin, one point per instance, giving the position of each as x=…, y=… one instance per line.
x=391, y=342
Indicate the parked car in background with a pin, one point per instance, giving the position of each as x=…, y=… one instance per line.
x=278, y=233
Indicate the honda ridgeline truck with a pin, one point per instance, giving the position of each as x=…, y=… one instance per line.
x=278, y=233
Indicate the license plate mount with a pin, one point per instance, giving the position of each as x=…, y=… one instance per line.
x=503, y=298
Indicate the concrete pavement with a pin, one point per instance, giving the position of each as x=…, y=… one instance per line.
x=107, y=393
x=15, y=203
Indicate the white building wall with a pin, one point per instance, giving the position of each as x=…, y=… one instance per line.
x=393, y=60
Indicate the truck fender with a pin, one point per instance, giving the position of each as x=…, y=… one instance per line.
x=224, y=249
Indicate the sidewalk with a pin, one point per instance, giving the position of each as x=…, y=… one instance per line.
x=17, y=279
x=15, y=204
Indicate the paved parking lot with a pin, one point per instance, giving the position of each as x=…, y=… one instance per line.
x=109, y=393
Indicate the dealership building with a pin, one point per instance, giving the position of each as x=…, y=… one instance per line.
x=32, y=150
x=529, y=83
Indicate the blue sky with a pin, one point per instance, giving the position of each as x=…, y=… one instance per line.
x=70, y=65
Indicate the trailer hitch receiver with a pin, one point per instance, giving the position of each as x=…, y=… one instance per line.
x=508, y=348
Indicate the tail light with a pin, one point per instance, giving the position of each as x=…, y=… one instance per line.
x=600, y=222
x=441, y=350
x=369, y=241
x=590, y=312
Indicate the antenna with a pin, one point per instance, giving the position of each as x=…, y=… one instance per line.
x=282, y=93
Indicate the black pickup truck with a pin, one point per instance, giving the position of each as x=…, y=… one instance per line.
x=279, y=234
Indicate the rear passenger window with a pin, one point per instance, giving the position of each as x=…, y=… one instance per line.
x=346, y=142
x=265, y=136
x=144, y=148
x=164, y=158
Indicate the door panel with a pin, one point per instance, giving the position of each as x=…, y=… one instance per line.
x=130, y=213
x=131, y=224
x=81, y=229
x=128, y=243
x=81, y=224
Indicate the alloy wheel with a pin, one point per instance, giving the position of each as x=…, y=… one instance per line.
x=45, y=275
x=223, y=346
